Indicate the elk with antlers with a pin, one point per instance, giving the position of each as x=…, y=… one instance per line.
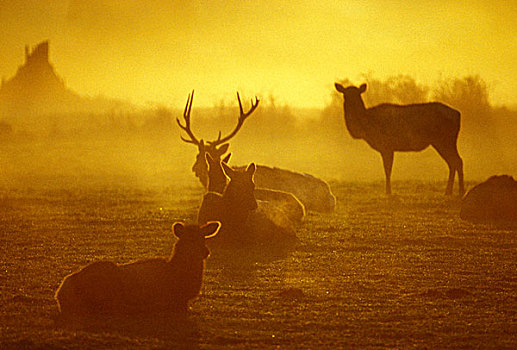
x=314, y=193
x=215, y=148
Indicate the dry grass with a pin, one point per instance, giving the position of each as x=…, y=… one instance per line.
x=395, y=272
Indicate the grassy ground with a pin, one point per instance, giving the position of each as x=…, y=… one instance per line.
x=396, y=272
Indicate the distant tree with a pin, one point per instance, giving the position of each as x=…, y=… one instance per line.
x=401, y=89
x=331, y=125
x=160, y=121
x=469, y=94
x=271, y=118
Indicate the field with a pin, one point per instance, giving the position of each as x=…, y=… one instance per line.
x=397, y=272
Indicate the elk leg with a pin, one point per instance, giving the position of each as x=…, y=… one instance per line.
x=458, y=166
x=450, y=181
x=387, y=161
x=459, y=169
x=452, y=172
x=455, y=164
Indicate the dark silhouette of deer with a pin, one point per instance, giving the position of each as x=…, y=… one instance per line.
x=217, y=179
x=282, y=207
x=216, y=148
x=145, y=286
x=233, y=206
x=403, y=128
x=314, y=193
x=246, y=221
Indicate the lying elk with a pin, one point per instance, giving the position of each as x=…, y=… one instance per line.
x=284, y=202
x=150, y=285
x=388, y=128
x=314, y=193
x=244, y=220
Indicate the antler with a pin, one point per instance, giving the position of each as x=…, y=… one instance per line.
x=240, y=121
x=186, y=117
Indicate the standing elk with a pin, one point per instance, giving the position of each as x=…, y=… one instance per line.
x=144, y=286
x=314, y=193
x=403, y=128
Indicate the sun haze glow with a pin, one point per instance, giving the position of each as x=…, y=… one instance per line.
x=157, y=51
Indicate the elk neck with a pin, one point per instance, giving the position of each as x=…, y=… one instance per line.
x=200, y=169
x=355, y=112
x=183, y=257
x=187, y=267
x=235, y=204
x=216, y=179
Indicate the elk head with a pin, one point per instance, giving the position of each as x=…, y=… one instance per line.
x=191, y=239
x=200, y=167
x=351, y=92
x=217, y=179
x=240, y=192
x=216, y=148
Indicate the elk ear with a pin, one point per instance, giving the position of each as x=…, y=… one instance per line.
x=210, y=229
x=209, y=158
x=362, y=88
x=227, y=170
x=179, y=229
x=339, y=87
x=227, y=158
x=250, y=170
x=222, y=149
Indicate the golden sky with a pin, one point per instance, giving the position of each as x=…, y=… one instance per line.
x=159, y=50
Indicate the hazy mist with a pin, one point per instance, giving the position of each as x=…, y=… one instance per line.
x=144, y=148
x=153, y=53
x=157, y=51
